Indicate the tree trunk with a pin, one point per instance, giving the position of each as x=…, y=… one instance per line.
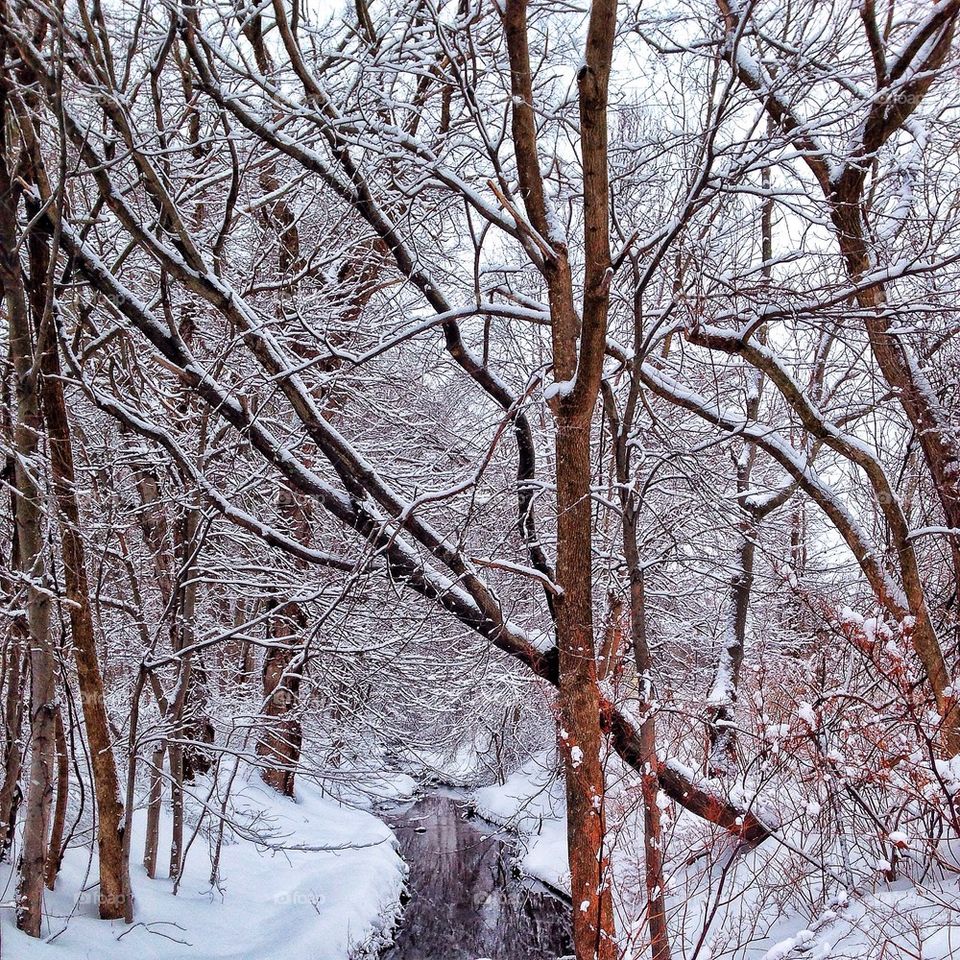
x=279, y=746
x=29, y=522
x=13, y=654
x=610, y=649
x=642, y=750
x=55, y=856
x=114, y=872
x=176, y=803
x=578, y=344
x=653, y=852
x=580, y=734
x=10, y=795
x=722, y=701
x=175, y=753
x=151, y=843
x=932, y=427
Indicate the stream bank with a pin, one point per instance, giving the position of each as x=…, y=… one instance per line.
x=467, y=900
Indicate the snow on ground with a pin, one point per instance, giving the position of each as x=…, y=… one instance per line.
x=280, y=897
x=531, y=803
x=368, y=789
x=460, y=767
x=762, y=910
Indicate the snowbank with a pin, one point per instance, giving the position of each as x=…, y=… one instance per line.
x=531, y=803
x=751, y=921
x=282, y=897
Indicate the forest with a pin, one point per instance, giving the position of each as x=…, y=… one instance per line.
x=481, y=479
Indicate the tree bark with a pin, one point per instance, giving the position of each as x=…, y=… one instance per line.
x=151, y=842
x=580, y=734
x=114, y=873
x=13, y=652
x=578, y=346
x=653, y=849
x=10, y=795
x=649, y=767
x=55, y=855
x=910, y=72
x=279, y=745
x=722, y=701
x=29, y=523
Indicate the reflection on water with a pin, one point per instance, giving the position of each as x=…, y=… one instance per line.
x=465, y=903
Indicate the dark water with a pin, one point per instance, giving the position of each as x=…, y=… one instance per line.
x=465, y=901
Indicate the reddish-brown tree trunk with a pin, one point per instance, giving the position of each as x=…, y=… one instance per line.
x=28, y=430
x=114, y=876
x=934, y=434
x=578, y=344
x=580, y=735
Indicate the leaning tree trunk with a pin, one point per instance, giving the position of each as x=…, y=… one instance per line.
x=933, y=430
x=844, y=182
